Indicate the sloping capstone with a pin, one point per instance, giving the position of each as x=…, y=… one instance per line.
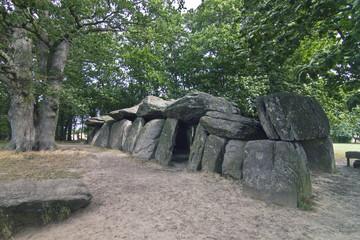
x=24, y=202
x=213, y=154
x=320, y=154
x=98, y=121
x=234, y=158
x=152, y=107
x=277, y=172
x=167, y=139
x=193, y=106
x=148, y=139
x=197, y=149
x=133, y=134
x=117, y=134
x=102, y=139
x=232, y=126
x=291, y=117
x=125, y=113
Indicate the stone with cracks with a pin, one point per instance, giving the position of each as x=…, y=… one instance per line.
x=152, y=107
x=125, y=113
x=132, y=134
x=233, y=159
x=197, y=149
x=92, y=134
x=213, y=154
x=101, y=139
x=193, y=106
x=277, y=172
x=291, y=117
x=232, y=126
x=167, y=139
x=148, y=139
x=98, y=121
x=117, y=134
x=24, y=202
x=320, y=154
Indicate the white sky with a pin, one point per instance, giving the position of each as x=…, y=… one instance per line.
x=192, y=4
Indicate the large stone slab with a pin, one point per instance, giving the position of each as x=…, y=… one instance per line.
x=234, y=158
x=91, y=134
x=320, y=154
x=98, y=121
x=102, y=139
x=152, y=107
x=125, y=113
x=24, y=203
x=193, y=106
x=117, y=134
x=148, y=139
x=197, y=149
x=213, y=154
x=167, y=139
x=232, y=126
x=276, y=171
x=291, y=117
x=132, y=134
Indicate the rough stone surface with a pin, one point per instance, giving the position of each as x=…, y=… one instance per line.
x=25, y=202
x=92, y=134
x=117, y=134
x=125, y=113
x=197, y=149
x=148, y=139
x=98, y=121
x=152, y=107
x=133, y=134
x=193, y=106
x=102, y=140
x=232, y=126
x=213, y=154
x=320, y=154
x=291, y=117
x=234, y=158
x=167, y=139
x=276, y=171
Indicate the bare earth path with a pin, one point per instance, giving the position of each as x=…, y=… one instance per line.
x=137, y=200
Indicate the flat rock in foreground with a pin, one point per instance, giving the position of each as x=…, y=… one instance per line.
x=25, y=203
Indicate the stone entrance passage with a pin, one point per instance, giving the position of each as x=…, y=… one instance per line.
x=182, y=145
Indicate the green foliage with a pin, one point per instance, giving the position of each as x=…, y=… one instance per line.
x=6, y=226
x=52, y=213
x=341, y=133
x=5, y=103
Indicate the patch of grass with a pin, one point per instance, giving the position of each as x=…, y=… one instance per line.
x=6, y=226
x=39, y=165
x=306, y=204
x=55, y=213
x=3, y=144
x=341, y=148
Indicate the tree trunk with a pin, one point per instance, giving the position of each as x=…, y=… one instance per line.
x=49, y=109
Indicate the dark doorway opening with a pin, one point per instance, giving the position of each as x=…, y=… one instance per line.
x=182, y=144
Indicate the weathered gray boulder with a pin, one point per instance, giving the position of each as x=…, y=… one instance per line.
x=320, y=154
x=98, y=121
x=152, y=107
x=193, y=106
x=102, y=139
x=213, y=154
x=291, y=117
x=24, y=203
x=167, y=139
x=117, y=133
x=92, y=134
x=133, y=134
x=197, y=149
x=233, y=159
x=232, y=126
x=276, y=171
x=148, y=139
x=125, y=113
x=126, y=133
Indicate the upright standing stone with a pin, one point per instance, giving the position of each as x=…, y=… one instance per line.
x=197, y=149
x=126, y=133
x=233, y=159
x=92, y=134
x=167, y=139
x=117, y=133
x=276, y=172
x=102, y=139
x=148, y=139
x=213, y=154
x=133, y=134
x=320, y=154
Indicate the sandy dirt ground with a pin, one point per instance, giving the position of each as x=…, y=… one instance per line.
x=142, y=200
